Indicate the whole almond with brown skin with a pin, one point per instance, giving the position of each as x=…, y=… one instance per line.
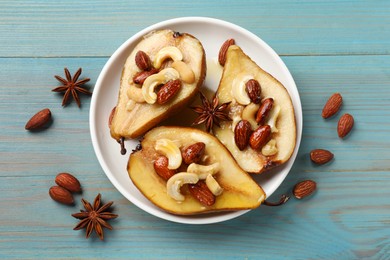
x=141, y=76
x=332, y=106
x=202, y=193
x=242, y=133
x=168, y=91
x=253, y=89
x=193, y=153
x=61, y=195
x=264, y=110
x=142, y=60
x=223, y=51
x=161, y=167
x=260, y=137
x=38, y=120
x=304, y=189
x=345, y=125
x=321, y=156
x=68, y=181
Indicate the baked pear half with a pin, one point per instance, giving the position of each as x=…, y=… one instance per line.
x=161, y=75
x=262, y=133
x=187, y=171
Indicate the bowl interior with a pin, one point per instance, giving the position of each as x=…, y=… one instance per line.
x=212, y=33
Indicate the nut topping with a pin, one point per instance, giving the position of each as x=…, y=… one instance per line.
x=142, y=60
x=304, y=189
x=260, y=137
x=332, y=106
x=168, y=91
x=223, y=51
x=253, y=89
x=202, y=193
x=193, y=153
x=161, y=167
x=140, y=77
x=321, y=156
x=345, y=125
x=242, y=133
x=264, y=110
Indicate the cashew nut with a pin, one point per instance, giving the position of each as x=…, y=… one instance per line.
x=151, y=82
x=186, y=73
x=235, y=114
x=176, y=181
x=272, y=117
x=270, y=148
x=213, y=185
x=167, y=52
x=171, y=150
x=135, y=94
x=238, y=88
x=130, y=105
x=203, y=170
x=249, y=114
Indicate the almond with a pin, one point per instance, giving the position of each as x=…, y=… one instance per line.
x=38, y=120
x=61, y=195
x=321, y=156
x=242, y=133
x=264, y=110
x=202, y=193
x=304, y=189
x=168, y=91
x=161, y=167
x=260, y=137
x=142, y=60
x=111, y=116
x=193, y=153
x=140, y=77
x=332, y=106
x=253, y=89
x=345, y=125
x=223, y=51
x=68, y=181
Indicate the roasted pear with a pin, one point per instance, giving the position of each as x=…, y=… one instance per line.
x=211, y=182
x=262, y=133
x=161, y=75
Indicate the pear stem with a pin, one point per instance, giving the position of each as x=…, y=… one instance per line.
x=283, y=199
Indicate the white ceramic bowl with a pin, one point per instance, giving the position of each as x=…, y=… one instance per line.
x=212, y=33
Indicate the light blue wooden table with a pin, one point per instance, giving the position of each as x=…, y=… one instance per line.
x=328, y=46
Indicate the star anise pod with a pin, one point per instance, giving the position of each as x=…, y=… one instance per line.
x=211, y=113
x=94, y=217
x=71, y=86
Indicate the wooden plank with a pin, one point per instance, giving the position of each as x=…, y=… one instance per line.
x=32, y=28
x=346, y=218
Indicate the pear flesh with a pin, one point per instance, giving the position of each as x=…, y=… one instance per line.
x=250, y=160
x=132, y=119
x=240, y=191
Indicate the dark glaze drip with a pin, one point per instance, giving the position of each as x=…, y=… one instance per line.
x=121, y=141
x=137, y=148
x=176, y=34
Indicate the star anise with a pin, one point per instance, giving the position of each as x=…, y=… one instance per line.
x=71, y=86
x=211, y=113
x=94, y=217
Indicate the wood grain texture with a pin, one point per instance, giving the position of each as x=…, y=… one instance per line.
x=96, y=28
x=333, y=46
